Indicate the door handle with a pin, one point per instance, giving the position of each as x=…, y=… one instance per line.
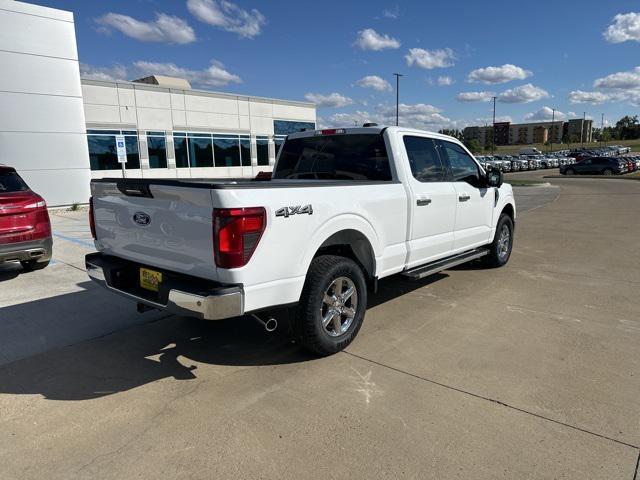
x=421, y=202
x=464, y=197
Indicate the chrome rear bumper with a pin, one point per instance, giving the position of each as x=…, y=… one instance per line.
x=181, y=295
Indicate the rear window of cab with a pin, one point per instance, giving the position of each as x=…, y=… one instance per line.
x=359, y=157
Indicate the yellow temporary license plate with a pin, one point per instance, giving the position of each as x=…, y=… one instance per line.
x=150, y=279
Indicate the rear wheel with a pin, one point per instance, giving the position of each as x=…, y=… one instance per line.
x=500, y=249
x=332, y=306
x=607, y=172
x=570, y=171
x=31, y=265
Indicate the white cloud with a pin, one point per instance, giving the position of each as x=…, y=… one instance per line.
x=624, y=27
x=444, y=80
x=544, y=114
x=523, y=94
x=595, y=98
x=429, y=59
x=116, y=72
x=620, y=80
x=392, y=13
x=418, y=115
x=357, y=118
x=375, y=82
x=228, y=16
x=495, y=75
x=333, y=100
x=369, y=39
x=214, y=76
x=475, y=96
x=165, y=28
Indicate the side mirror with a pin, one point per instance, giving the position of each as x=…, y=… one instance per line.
x=494, y=178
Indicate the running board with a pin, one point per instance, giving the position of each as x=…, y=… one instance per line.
x=422, y=271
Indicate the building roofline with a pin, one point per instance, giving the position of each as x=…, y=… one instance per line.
x=208, y=93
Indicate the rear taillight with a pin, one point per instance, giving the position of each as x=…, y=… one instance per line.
x=92, y=222
x=236, y=233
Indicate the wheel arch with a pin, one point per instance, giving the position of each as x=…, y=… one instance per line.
x=509, y=210
x=352, y=244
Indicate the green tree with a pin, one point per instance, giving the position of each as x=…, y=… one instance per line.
x=473, y=145
x=628, y=128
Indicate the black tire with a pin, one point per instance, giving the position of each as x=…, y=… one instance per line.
x=607, y=172
x=498, y=256
x=32, y=265
x=324, y=271
x=569, y=171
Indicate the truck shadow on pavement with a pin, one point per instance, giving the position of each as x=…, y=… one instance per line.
x=171, y=347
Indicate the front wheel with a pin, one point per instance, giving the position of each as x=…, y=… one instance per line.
x=500, y=248
x=569, y=171
x=607, y=172
x=332, y=306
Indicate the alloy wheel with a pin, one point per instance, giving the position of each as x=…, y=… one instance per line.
x=339, y=306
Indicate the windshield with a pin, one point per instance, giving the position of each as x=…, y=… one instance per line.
x=334, y=157
x=11, y=182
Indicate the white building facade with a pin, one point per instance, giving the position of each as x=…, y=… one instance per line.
x=182, y=133
x=42, y=125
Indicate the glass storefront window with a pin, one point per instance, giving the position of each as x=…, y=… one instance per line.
x=286, y=127
x=262, y=150
x=103, y=153
x=227, y=152
x=180, y=149
x=245, y=150
x=157, y=147
x=200, y=151
x=133, y=156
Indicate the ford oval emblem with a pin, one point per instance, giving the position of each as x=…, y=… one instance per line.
x=141, y=218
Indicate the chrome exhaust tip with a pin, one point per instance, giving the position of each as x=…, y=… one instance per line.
x=270, y=324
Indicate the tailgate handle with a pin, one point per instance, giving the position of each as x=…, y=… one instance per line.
x=131, y=189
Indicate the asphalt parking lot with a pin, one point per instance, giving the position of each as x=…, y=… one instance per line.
x=529, y=371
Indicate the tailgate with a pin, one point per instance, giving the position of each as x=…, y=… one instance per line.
x=163, y=226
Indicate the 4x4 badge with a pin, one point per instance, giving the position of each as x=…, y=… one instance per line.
x=297, y=210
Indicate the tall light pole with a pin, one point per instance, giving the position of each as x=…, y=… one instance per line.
x=584, y=117
x=493, y=144
x=398, y=75
x=601, y=127
x=553, y=120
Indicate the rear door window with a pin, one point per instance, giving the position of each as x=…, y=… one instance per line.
x=424, y=159
x=359, y=157
x=11, y=182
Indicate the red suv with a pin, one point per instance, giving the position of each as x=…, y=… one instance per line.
x=25, y=229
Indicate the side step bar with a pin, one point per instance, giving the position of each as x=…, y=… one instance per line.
x=422, y=271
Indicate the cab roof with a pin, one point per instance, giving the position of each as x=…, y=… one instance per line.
x=377, y=129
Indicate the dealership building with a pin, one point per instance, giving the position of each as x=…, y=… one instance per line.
x=59, y=130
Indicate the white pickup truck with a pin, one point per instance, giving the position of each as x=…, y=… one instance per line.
x=342, y=209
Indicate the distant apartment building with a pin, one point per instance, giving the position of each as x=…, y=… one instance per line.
x=579, y=130
x=507, y=133
x=502, y=133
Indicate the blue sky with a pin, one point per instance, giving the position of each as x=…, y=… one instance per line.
x=574, y=56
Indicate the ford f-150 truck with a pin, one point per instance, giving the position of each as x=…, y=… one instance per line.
x=342, y=209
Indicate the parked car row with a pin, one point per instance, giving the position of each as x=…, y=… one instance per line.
x=605, y=151
x=600, y=165
x=517, y=163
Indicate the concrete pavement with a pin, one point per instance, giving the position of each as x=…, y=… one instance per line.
x=529, y=371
